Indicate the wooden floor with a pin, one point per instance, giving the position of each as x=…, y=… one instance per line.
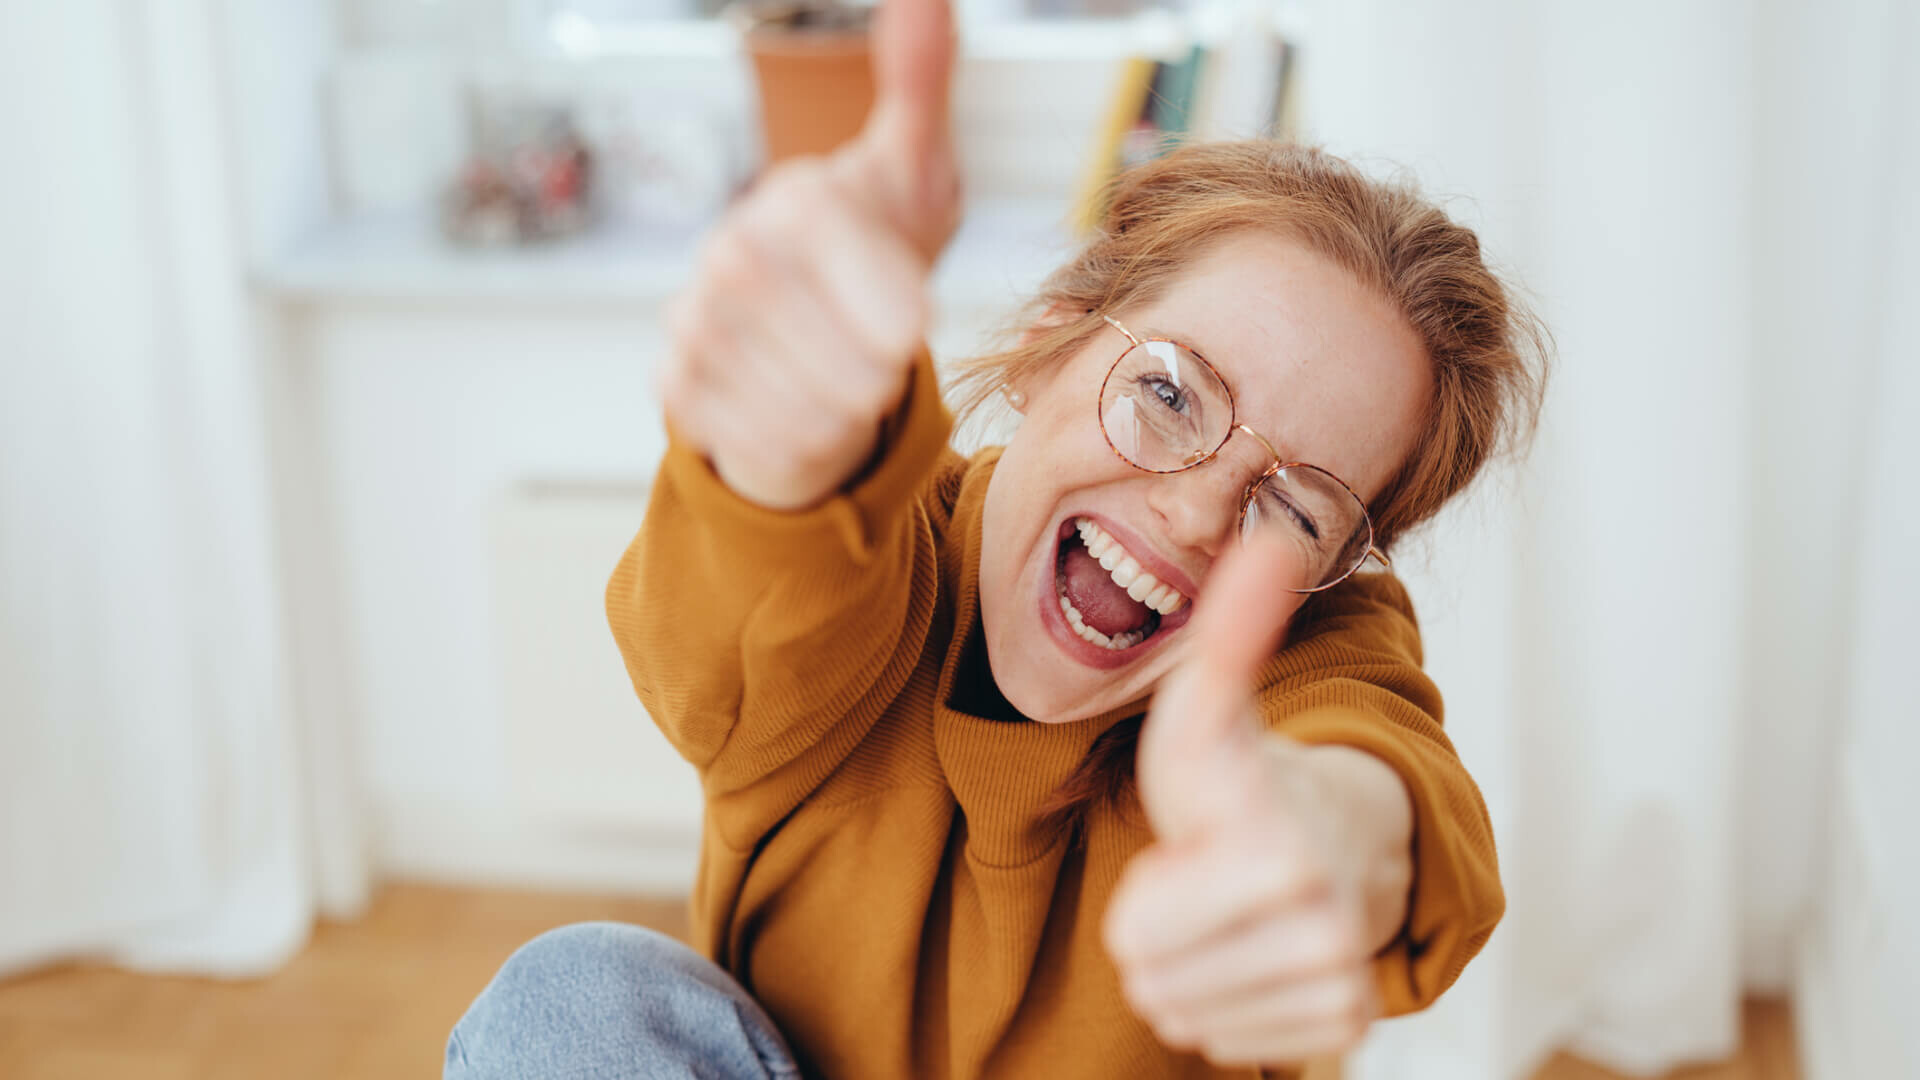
x=374, y=999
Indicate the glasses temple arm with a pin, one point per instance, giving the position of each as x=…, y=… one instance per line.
x=1115, y=323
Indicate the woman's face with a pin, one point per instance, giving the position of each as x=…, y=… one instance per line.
x=1327, y=371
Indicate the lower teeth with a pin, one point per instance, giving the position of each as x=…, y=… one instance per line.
x=1087, y=633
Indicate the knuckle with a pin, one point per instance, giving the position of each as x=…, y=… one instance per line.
x=792, y=198
x=730, y=263
x=1279, y=877
x=784, y=223
x=1334, y=939
x=682, y=320
x=1318, y=952
x=871, y=390
x=1347, y=939
x=1351, y=1004
x=893, y=335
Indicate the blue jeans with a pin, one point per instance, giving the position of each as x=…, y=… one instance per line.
x=605, y=1001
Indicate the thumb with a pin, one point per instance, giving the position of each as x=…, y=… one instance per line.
x=905, y=151
x=1195, y=749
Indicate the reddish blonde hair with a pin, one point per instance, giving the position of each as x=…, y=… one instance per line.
x=1489, y=353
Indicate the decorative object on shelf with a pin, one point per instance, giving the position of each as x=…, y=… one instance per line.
x=810, y=61
x=529, y=179
x=665, y=169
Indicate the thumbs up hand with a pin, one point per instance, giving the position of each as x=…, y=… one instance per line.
x=1245, y=931
x=904, y=155
x=798, y=333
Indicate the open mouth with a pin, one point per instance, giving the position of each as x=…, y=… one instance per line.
x=1106, y=597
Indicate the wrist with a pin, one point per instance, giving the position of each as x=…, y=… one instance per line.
x=1372, y=823
x=814, y=482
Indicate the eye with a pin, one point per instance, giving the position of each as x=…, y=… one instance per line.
x=1304, y=520
x=1171, y=396
x=1300, y=517
x=1285, y=509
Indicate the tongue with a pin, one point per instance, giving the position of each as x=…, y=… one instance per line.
x=1103, y=605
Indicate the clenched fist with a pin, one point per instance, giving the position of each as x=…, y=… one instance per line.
x=799, y=331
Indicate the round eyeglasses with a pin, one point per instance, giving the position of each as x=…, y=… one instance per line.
x=1164, y=409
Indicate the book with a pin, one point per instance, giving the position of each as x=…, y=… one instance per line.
x=1124, y=110
x=1242, y=86
x=1172, y=99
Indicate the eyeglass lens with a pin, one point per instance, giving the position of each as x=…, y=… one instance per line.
x=1165, y=410
x=1316, y=516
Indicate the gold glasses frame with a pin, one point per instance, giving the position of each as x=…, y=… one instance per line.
x=1279, y=465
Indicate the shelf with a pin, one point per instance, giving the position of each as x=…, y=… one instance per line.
x=1002, y=250
x=1151, y=33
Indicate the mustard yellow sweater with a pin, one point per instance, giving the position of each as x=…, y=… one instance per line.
x=872, y=868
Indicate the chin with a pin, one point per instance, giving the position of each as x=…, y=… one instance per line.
x=1042, y=684
x=1044, y=668
x=1045, y=709
x=1047, y=705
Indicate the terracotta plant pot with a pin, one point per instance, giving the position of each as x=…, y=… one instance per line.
x=811, y=62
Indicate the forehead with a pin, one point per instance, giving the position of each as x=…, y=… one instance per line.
x=1319, y=364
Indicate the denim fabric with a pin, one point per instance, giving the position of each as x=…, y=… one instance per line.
x=605, y=1001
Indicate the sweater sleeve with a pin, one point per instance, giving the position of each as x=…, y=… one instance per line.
x=1354, y=678
x=760, y=639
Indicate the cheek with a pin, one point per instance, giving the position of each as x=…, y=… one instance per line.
x=1036, y=474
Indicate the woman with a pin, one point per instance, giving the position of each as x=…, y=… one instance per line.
x=914, y=683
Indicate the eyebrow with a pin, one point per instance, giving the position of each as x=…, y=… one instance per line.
x=1288, y=453
x=1184, y=339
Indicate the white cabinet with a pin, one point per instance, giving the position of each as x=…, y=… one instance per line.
x=482, y=434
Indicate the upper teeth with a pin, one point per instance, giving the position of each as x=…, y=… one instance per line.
x=1126, y=571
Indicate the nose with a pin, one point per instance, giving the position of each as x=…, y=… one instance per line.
x=1200, y=507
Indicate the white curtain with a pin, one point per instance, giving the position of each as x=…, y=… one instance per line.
x=159, y=804
x=1647, y=633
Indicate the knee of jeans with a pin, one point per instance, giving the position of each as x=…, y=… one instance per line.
x=583, y=956
x=571, y=984
x=598, y=952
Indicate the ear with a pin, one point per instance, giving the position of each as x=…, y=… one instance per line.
x=1022, y=392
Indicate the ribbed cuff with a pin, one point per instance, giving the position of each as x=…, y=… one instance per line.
x=850, y=522
x=1452, y=905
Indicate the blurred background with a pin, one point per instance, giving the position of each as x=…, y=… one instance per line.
x=326, y=329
